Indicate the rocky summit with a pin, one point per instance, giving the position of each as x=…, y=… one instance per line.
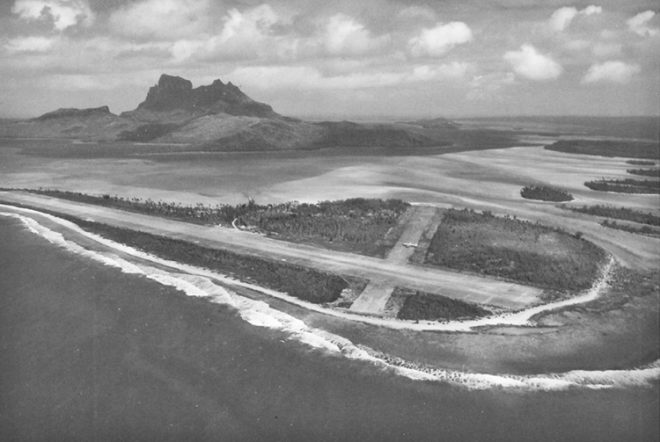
x=177, y=94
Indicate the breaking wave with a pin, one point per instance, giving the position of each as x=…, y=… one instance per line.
x=260, y=314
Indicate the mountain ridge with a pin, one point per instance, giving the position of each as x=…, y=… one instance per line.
x=173, y=93
x=221, y=117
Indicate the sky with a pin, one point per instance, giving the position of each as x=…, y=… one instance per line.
x=337, y=58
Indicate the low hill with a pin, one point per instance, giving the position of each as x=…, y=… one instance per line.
x=93, y=123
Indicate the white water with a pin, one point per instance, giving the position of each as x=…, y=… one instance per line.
x=260, y=314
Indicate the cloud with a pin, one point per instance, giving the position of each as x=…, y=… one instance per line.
x=607, y=49
x=591, y=9
x=63, y=13
x=562, y=17
x=611, y=72
x=162, y=19
x=29, y=44
x=81, y=82
x=487, y=87
x=261, y=33
x=244, y=35
x=345, y=36
x=529, y=63
x=440, y=39
x=310, y=78
x=639, y=24
x=417, y=12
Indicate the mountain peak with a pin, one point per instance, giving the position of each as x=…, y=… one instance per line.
x=174, y=93
x=172, y=82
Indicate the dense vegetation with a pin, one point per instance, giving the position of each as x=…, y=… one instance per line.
x=426, y=306
x=641, y=163
x=623, y=213
x=513, y=249
x=609, y=148
x=645, y=172
x=643, y=230
x=357, y=225
x=625, y=186
x=147, y=132
x=545, y=193
x=303, y=283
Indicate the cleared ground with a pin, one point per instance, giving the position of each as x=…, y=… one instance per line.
x=455, y=285
x=374, y=297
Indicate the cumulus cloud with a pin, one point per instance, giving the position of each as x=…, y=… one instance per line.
x=244, y=34
x=438, y=40
x=562, y=17
x=345, y=36
x=63, y=13
x=529, y=63
x=639, y=24
x=591, y=9
x=29, y=44
x=257, y=33
x=163, y=19
x=611, y=72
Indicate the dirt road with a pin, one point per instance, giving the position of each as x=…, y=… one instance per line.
x=455, y=285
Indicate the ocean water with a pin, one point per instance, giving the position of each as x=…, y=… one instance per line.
x=88, y=352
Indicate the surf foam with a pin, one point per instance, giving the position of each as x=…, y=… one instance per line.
x=260, y=314
x=520, y=318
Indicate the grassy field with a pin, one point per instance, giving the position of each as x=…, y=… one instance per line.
x=608, y=148
x=367, y=226
x=427, y=306
x=545, y=193
x=625, y=186
x=516, y=250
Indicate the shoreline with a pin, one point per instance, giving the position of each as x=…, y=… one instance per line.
x=261, y=315
x=520, y=318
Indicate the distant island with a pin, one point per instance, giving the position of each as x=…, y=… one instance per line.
x=220, y=117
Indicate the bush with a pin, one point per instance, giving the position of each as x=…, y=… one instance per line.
x=301, y=282
x=426, y=306
x=623, y=213
x=625, y=186
x=516, y=250
x=608, y=148
x=357, y=225
x=644, y=230
x=641, y=163
x=645, y=172
x=545, y=193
